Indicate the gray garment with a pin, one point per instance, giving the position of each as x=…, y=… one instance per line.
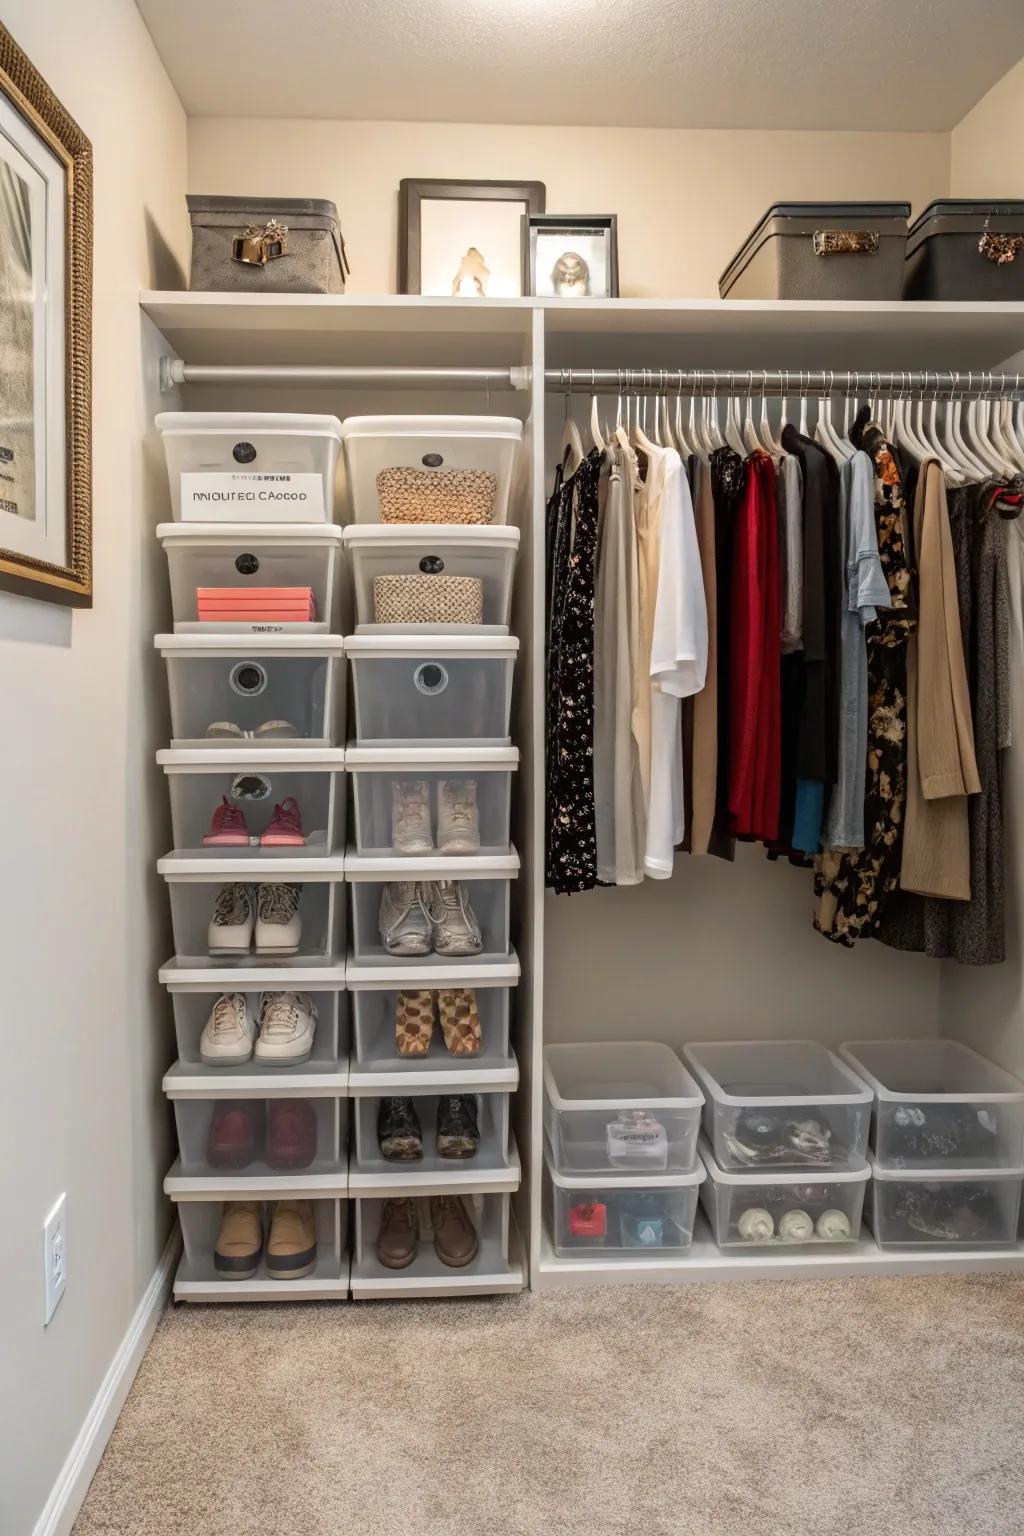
x=790, y=498
x=618, y=791
x=864, y=591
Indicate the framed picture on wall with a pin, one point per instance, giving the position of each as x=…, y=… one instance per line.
x=571, y=256
x=45, y=339
x=464, y=239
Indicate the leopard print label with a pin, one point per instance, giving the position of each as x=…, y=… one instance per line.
x=407, y=495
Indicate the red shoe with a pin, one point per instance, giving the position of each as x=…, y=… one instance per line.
x=232, y=1137
x=285, y=829
x=228, y=827
x=291, y=1133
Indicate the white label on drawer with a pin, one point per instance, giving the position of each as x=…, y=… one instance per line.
x=249, y=488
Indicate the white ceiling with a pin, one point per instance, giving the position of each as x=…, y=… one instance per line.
x=883, y=64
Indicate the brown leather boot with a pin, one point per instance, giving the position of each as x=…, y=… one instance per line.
x=291, y=1246
x=455, y=1239
x=460, y=1021
x=414, y=1023
x=240, y=1240
x=398, y=1235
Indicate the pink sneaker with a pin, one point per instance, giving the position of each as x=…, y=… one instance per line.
x=228, y=827
x=285, y=829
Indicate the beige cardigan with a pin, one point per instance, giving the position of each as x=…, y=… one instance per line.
x=941, y=767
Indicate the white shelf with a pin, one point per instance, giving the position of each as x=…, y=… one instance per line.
x=432, y=866
x=311, y=1080
x=257, y=1182
x=253, y=973
x=487, y=1173
x=281, y=864
x=198, y=1280
x=705, y=1261
x=433, y=1074
x=251, y=754
x=489, y=1274
x=386, y=974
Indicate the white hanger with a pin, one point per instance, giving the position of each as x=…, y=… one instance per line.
x=714, y=427
x=732, y=429
x=764, y=425
x=825, y=433
x=996, y=417
x=1009, y=433
x=751, y=440
x=982, y=443
x=570, y=445
x=804, y=426
x=686, y=443
x=954, y=419
x=903, y=429
x=953, y=444
x=598, y=437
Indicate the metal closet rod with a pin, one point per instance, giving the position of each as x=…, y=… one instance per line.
x=974, y=384
x=174, y=371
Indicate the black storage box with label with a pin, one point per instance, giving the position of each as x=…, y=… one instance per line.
x=821, y=251
x=266, y=245
x=965, y=249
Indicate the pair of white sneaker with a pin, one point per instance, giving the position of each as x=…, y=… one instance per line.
x=422, y=917
x=267, y=913
x=458, y=819
x=280, y=1032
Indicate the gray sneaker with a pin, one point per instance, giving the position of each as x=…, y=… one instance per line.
x=456, y=930
x=404, y=919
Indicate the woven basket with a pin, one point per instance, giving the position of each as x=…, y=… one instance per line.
x=428, y=600
x=406, y=495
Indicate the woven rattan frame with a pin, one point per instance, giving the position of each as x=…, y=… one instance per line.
x=26, y=89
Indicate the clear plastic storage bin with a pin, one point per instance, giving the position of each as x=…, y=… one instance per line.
x=466, y=794
x=637, y=1218
x=492, y=1154
x=939, y=1102
x=429, y=446
x=240, y=557
x=375, y=1014
x=195, y=891
x=486, y=898
x=227, y=691
x=232, y=802
x=489, y=1271
x=199, y=1278
x=964, y=1208
x=250, y=467
x=454, y=691
x=808, y=1208
x=487, y=555
x=781, y=1104
x=192, y=1009
x=626, y=1107
x=260, y=1136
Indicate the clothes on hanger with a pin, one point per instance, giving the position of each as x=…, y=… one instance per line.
x=754, y=697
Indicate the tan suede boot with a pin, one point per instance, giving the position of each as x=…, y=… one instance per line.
x=291, y=1246
x=240, y=1240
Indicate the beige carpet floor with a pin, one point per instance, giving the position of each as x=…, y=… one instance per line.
x=844, y=1408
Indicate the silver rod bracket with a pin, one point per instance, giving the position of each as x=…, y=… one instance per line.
x=520, y=377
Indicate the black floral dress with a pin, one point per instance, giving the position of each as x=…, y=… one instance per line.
x=572, y=513
x=854, y=887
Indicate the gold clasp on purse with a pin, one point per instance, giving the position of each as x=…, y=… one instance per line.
x=261, y=244
x=845, y=242
x=1001, y=249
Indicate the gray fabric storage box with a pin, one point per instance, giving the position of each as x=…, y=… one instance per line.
x=960, y=248
x=821, y=251
x=315, y=260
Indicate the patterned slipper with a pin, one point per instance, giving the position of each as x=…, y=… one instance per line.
x=460, y=1021
x=414, y=1023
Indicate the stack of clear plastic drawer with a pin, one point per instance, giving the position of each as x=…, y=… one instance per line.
x=786, y=1130
x=948, y=1144
x=431, y=965
x=621, y=1122
x=255, y=670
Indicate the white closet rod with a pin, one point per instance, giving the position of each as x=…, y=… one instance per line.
x=789, y=381
x=173, y=371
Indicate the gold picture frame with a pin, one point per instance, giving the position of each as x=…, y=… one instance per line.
x=59, y=568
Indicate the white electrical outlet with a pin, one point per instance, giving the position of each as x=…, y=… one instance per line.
x=55, y=1257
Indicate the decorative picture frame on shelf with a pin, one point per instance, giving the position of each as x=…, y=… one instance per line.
x=46, y=331
x=571, y=256
x=464, y=239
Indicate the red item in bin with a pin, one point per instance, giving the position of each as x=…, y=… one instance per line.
x=588, y=1220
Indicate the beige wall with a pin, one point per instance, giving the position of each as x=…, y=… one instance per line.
x=83, y=922
x=685, y=199
x=987, y=147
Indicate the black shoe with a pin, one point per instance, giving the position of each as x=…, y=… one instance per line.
x=458, y=1134
x=398, y=1131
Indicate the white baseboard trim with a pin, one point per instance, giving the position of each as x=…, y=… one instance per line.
x=76, y=1474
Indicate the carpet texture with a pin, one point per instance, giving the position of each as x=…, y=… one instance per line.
x=872, y=1407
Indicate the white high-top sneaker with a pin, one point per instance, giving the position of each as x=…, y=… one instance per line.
x=278, y=923
x=230, y=930
x=458, y=820
x=456, y=930
x=287, y=1026
x=410, y=816
x=403, y=918
x=229, y=1032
